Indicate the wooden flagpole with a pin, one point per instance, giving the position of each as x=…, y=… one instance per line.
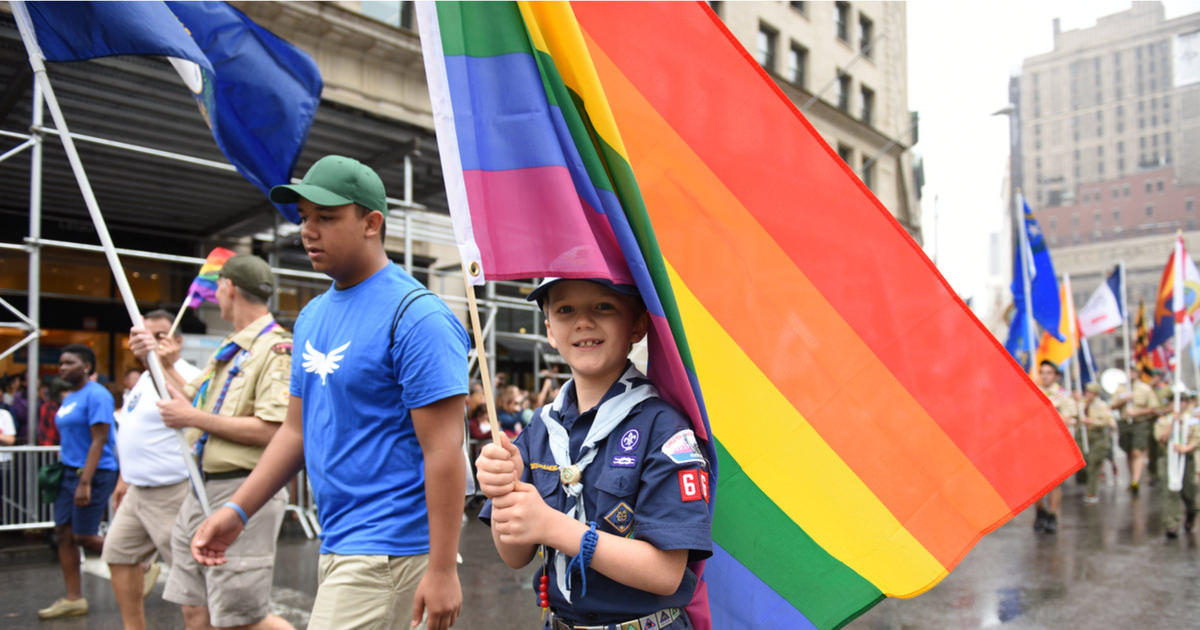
x=179, y=316
x=472, y=270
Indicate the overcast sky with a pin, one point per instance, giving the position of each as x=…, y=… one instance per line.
x=960, y=56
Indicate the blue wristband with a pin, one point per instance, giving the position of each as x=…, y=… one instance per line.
x=237, y=508
x=587, y=547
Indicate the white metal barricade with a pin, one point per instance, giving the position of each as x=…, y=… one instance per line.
x=20, y=501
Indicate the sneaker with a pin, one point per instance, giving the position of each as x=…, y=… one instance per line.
x=1189, y=521
x=1039, y=522
x=151, y=578
x=1133, y=487
x=1091, y=499
x=64, y=607
x=1172, y=534
x=1051, y=523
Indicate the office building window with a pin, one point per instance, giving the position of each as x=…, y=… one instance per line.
x=868, y=105
x=866, y=35
x=1159, y=185
x=841, y=20
x=767, y=37
x=399, y=14
x=1149, y=210
x=1116, y=215
x=842, y=93
x=1191, y=205
x=846, y=153
x=798, y=64
x=799, y=7
x=868, y=173
x=1149, y=187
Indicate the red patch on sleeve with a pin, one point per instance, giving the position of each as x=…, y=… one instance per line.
x=693, y=485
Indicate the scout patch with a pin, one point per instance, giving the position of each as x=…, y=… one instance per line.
x=693, y=485
x=624, y=461
x=629, y=440
x=283, y=347
x=550, y=467
x=682, y=448
x=648, y=623
x=632, y=625
x=664, y=618
x=620, y=517
x=133, y=401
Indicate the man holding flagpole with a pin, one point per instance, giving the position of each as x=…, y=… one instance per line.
x=239, y=401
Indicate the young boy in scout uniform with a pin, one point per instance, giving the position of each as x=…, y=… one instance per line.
x=1048, y=505
x=1179, y=505
x=1098, y=418
x=231, y=412
x=608, y=478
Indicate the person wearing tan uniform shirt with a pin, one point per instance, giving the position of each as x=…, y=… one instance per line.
x=1048, y=505
x=1179, y=505
x=1140, y=407
x=230, y=411
x=1098, y=418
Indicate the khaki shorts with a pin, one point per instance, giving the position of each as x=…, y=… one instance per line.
x=142, y=525
x=366, y=592
x=237, y=592
x=1140, y=435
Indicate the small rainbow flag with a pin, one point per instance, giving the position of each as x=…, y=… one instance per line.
x=869, y=430
x=204, y=287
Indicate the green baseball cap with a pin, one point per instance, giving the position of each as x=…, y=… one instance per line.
x=250, y=274
x=336, y=181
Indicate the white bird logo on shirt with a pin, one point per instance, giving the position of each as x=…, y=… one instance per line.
x=322, y=364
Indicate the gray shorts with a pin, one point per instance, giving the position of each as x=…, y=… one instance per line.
x=237, y=592
x=143, y=523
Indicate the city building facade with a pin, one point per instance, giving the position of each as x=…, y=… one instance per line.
x=1105, y=149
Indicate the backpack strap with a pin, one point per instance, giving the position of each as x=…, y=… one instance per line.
x=402, y=307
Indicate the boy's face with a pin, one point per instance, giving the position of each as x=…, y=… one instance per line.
x=592, y=327
x=1047, y=375
x=333, y=236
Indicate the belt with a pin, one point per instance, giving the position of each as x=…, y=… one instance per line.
x=232, y=474
x=660, y=619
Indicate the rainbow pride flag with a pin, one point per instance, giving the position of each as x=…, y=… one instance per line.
x=869, y=430
x=204, y=287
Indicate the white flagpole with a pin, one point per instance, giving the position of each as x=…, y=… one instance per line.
x=1025, y=280
x=1125, y=313
x=25, y=25
x=1175, y=460
x=1074, y=377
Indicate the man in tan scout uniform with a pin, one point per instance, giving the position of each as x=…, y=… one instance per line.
x=1140, y=410
x=231, y=412
x=1179, y=505
x=1047, y=506
x=1098, y=418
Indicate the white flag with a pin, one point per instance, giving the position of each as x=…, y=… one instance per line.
x=1101, y=314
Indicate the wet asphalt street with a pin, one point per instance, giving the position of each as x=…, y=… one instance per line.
x=1110, y=566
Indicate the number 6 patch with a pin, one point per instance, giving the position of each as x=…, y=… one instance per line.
x=693, y=485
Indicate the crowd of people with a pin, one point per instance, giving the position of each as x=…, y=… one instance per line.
x=1140, y=420
x=373, y=410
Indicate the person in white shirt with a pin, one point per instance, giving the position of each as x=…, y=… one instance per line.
x=153, y=482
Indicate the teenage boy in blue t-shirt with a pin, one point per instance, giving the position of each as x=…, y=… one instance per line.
x=85, y=422
x=376, y=414
x=608, y=477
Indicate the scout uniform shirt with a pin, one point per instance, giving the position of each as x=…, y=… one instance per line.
x=1062, y=402
x=1101, y=419
x=259, y=388
x=1143, y=397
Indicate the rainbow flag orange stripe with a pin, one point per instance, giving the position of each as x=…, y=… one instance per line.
x=868, y=429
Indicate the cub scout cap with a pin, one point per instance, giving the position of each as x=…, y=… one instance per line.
x=539, y=294
x=336, y=181
x=250, y=274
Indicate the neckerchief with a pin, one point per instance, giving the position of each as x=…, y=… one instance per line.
x=609, y=414
x=224, y=354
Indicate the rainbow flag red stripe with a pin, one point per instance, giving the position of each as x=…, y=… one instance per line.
x=868, y=429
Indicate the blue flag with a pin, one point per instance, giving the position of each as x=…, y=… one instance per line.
x=1087, y=365
x=257, y=92
x=1043, y=285
x=1020, y=339
x=1114, y=285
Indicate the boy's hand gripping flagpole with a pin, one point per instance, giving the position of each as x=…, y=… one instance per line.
x=473, y=270
x=25, y=26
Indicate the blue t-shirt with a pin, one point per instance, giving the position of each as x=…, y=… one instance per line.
x=649, y=481
x=92, y=404
x=358, y=381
